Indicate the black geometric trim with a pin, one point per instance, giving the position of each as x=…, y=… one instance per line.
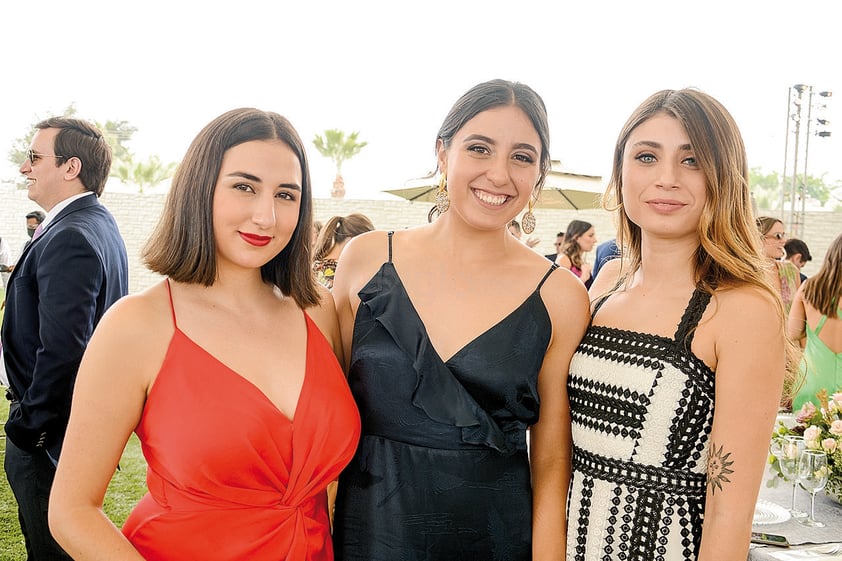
x=607, y=408
x=646, y=517
x=644, y=477
x=646, y=350
x=691, y=427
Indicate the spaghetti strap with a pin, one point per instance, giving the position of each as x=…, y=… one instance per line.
x=820, y=324
x=552, y=268
x=391, y=233
x=172, y=308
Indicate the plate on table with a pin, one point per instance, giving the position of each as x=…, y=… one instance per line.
x=766, y=512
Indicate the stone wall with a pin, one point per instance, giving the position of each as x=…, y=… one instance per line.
x=137, y=215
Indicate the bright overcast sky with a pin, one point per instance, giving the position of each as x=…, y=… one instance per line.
x=392, y=69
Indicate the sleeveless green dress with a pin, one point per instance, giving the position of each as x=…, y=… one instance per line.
x=820, y=367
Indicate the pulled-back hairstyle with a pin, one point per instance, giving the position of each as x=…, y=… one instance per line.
x=823, y=291
x=765, y=223
x=491, y=95
x=80, y=139
x=183, y=247
x=339, y=229
x=571, y=248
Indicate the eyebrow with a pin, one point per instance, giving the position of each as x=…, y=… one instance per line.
x=519, y=145
x=250, y=177
x=653, y=144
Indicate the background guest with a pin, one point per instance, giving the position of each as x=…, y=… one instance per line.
x=65, y=280
x=33, y=220
x=579, y=239
x=559, y=241
x=333, y=236
x=606, y=251
x=798, y=254
x=782, y=274
x=815, y=320
x=517, y=231
x=6, y=264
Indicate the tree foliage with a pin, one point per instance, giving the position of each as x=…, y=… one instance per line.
x=124, y=165
x=767, y=189
x=339, y=148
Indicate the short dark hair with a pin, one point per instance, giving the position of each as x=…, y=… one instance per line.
x=794, y=245
x=38, y=215
x=182, y=246
x=80, y=139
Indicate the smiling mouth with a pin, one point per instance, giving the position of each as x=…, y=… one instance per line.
x=487, y=198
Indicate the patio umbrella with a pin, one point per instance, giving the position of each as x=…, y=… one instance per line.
x=562, y=190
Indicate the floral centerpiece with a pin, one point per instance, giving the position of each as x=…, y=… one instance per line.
x=821, y=428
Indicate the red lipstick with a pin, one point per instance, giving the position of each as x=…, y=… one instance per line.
x=254, y=239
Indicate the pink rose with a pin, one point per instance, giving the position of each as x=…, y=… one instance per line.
x=811, y=437
x=829, y=445
x=806, y=413
x=837, y=397
x=836, y=427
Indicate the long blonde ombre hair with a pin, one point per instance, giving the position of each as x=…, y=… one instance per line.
x=730, y=253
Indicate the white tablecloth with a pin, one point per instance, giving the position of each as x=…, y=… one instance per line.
x=827, y=511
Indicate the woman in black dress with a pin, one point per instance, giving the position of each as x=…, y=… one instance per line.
x=455, y=335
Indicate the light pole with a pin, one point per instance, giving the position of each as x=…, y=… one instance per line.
x=798, y=189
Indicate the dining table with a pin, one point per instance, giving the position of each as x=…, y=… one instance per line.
x=806, y=542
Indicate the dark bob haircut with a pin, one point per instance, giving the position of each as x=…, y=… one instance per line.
x=183, y=248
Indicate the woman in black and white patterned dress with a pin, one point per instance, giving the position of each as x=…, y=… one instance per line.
x=675, y=386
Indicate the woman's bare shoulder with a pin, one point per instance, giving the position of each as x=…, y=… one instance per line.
x=145, y=314
x=745, y=300
x=565, y=296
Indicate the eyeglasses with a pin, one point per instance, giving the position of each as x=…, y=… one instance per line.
x=777, y=235
x=33, y=157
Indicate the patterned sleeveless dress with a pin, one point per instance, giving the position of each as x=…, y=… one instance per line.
x=642, y=411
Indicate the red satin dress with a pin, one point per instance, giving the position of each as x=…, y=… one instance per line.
x=232, y=478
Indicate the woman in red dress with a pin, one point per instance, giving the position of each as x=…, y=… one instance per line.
x=226, y=370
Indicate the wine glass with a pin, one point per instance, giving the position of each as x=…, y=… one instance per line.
x=812, y=475
x=787, y=451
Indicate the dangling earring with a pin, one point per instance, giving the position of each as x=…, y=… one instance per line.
x=527, y=223
x=442, y=200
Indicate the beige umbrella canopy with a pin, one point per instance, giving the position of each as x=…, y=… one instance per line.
x=562, y=190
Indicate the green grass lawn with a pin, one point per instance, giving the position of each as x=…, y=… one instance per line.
x=126, y=488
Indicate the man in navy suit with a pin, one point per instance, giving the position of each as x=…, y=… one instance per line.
x=74, y=268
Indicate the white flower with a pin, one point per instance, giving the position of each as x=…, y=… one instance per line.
x=811, y=437
x=829, y=445
x=836, y=427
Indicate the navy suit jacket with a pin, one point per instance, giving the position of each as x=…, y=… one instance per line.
x=61, y=286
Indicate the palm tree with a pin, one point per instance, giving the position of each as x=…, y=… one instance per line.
x=335, y=146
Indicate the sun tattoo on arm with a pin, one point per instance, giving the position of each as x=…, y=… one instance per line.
x=719, y=467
